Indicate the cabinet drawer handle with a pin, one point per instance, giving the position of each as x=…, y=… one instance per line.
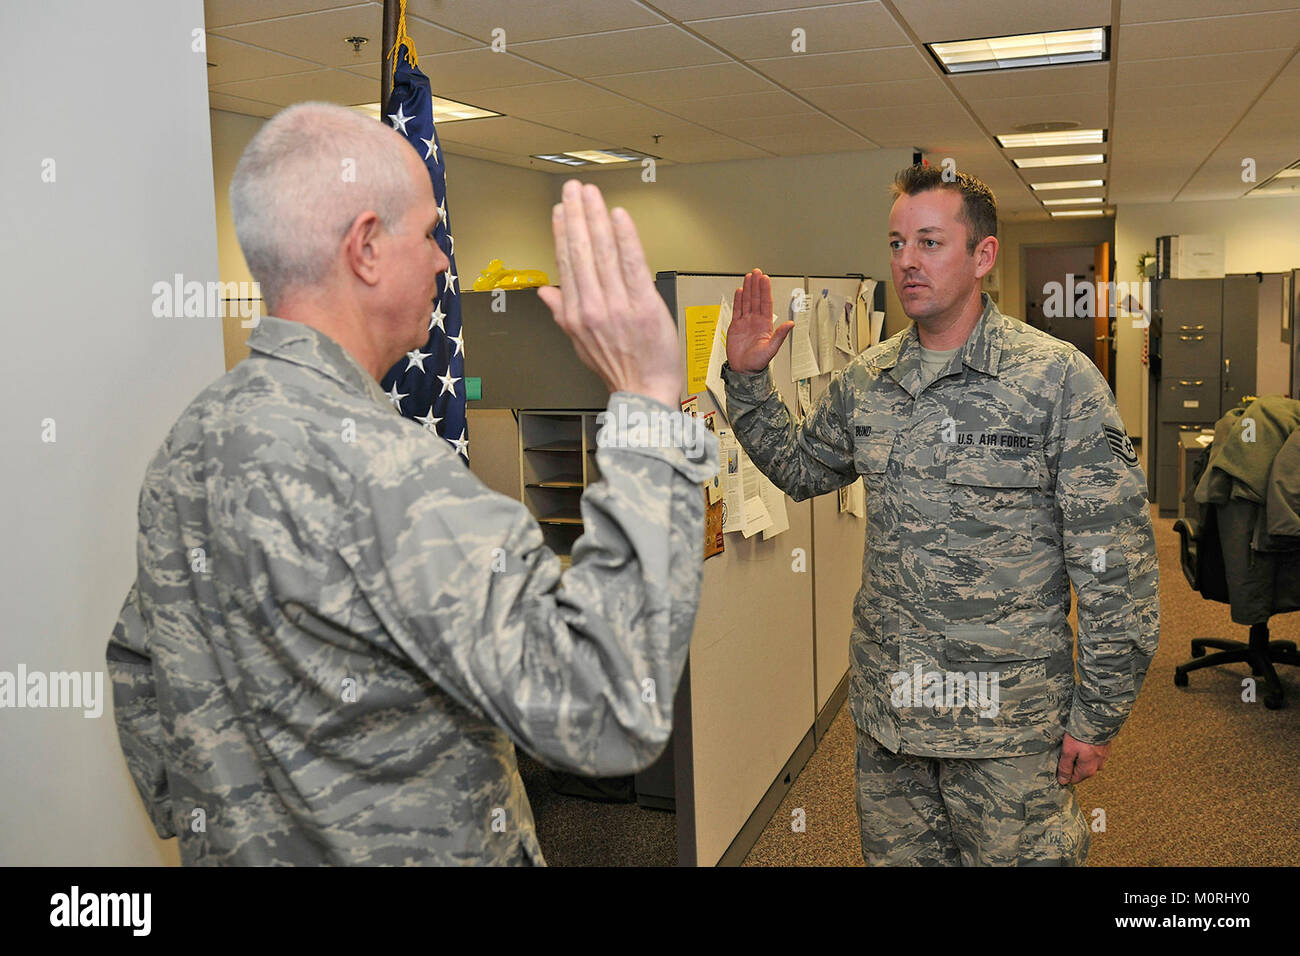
x=1191, y=328
x=1191, y=338
x=1188, y=382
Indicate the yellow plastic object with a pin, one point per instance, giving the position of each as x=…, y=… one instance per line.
x=497, y=276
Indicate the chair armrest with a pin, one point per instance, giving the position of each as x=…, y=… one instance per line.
x=1189, y=536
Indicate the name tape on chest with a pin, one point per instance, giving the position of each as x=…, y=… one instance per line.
x=1015, y=440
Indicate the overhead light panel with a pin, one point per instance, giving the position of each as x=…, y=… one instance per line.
x=1078, y=159
x=1069, y=137
x=1069, y=184
x=1021, y=51
x=594, y=157
x=1078, y=213
x=1084, y=201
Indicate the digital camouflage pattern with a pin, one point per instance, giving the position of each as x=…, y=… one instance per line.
x=989, y=490
x=337, y=630
x=944, y=811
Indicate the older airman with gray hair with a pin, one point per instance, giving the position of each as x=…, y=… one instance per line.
x=337, y=634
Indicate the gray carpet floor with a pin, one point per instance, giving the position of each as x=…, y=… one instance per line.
x=1197, y=777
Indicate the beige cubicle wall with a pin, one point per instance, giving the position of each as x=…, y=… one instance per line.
x=745, y=721
x=838, y=540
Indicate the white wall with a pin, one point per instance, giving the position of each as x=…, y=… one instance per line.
x=130, y=205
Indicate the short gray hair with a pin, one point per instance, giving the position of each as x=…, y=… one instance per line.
x=300, y=184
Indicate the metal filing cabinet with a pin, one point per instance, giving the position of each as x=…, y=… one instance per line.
x=1209, y=330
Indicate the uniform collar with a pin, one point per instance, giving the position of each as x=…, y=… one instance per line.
x=981, y=352
x=301, y=344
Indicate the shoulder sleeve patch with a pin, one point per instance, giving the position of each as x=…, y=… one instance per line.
x=1120, y=444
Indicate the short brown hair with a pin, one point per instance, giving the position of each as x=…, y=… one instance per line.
x=979, y=210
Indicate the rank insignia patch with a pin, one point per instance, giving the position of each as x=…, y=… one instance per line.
x=1120, y=444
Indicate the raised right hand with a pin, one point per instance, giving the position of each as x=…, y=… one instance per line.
x=751, y=340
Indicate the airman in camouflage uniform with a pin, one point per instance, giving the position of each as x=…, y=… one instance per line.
x=991, y=487
x=338, y=634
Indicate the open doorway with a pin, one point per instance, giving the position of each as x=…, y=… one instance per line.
x=1066, y=295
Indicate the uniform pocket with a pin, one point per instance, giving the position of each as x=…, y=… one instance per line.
x=992, y=504
x=871, y=453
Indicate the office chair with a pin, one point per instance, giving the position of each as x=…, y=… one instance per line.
x=1218, y=562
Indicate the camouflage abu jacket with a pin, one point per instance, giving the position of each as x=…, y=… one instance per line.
x=989, y=490
x=336, y=630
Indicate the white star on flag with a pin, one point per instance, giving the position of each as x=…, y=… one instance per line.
x=451, y=282
x=399, y=119
x=416, y=359
x=396, y=397
x=428, y=421
x=460, y=343
x=438, y=316
x=448, y=383
x=428, y=143
x=461, y=443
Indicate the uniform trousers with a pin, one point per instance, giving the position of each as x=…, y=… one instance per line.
x=948, y=811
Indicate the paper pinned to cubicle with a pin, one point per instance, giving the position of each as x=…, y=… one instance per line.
x=733, y=496
x=774, y=501
x=845, y=335
x=701, y=329
x=824, y=331
x=863, y=308
x=717, y=355
x=803, y=360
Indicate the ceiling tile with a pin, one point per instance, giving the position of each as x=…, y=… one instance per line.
x=769, y=103
x=1254, y=31
x=755, y=128
x=624, y=51
x=1142, y=11
x=223, y=13
x=1093, y=78
x=830, y=141
x=237, y=104
x=687, y=10
x=482, y=70
x=850, y=26
x=541, y=97
x=510, y=134
x=239, y=61
x=810, y=70
x=937, y=20
x=331, y=86
x=321, y=36
x=1004, y=115
x=1132, y=76
x=523, y=22
x=657, y=87
x=858, y=96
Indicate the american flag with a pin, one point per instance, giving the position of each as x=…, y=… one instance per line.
x=429, y=384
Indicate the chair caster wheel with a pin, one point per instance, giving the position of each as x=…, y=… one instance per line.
x=1180, y=679
x=1273, y=701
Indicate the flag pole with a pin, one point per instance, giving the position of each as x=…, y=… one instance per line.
x=389, y=38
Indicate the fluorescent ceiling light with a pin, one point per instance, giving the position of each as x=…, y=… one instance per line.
x=588, y=157
x=563, y=158
x=1025, y=50
x=1078, y=212
x=1068, y=137
x=1070, y=184
x=1291, y=172
x=1085, y=201
x=1079, y=159
x=444, y=111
